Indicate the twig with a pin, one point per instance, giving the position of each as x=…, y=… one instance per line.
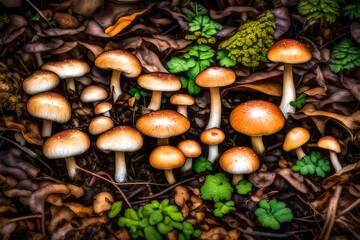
x=39, y=12
x=349, y=208
x=273, y=235
x=24, y=218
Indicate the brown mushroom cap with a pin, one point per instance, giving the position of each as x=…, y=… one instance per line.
x=295, y=138
x=163, y=124
x=40, y=81
x=93, y=93
x=67, y=143
x=68, y=68
x=102, y=107
x=212, y=136
x=239, y=160
x=215, y=77
x=159, y=81
x=100, y=124
x=257, y=118
x=166, y=157
x=50, y=106
x=125, y=62
x=329, y=143
x=190, y=148
x=289, y=51
x=182, y=99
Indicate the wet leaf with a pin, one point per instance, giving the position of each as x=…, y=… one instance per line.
x=295, y=179
x=282, y=21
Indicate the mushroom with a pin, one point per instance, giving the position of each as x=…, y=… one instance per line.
x=103, y=108
x=50, y=107
x=40, y=81
x=120, y=62
x=214, y=78
x=182, y=100
x=94, y=94
x=294, y=139
x=100, y=124
x=120, y=139
x=162, y=124
x=212, y=137
x=257, y=118
x=158, y=82
x=67, y=144
x=332, y=144
x=289, y=52
x=190, y=149
x=68, y=69
x=167, y=158
x=239, y=161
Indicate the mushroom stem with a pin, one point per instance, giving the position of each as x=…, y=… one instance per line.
x=215, y=109
x=188, y=164
x=47, y=128
x=155, y=101
x=258, y=145
x=115, y=84
x=70, y=84
x=71, y=166
x=162, y=141
x=335, y=161
x=39, y=59
x=288, y=93
x=213, y=153
x=169, y=176
x=182, y=109
x=300, y=153
x=236, y=179
x=120, y=167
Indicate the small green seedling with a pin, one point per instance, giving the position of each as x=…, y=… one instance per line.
x=194, y=9
x=273, y=213
x=138, y=92
x=223, y=208
x=202, y=164
x=300, y=101
x=327, y=9
x=244, y=187
x=224, y=59
x=345, y=56
x=352, y=10
x=115, y=209
x=190, y=85
x=43, y=22
x=312, y=164
x=216, y=188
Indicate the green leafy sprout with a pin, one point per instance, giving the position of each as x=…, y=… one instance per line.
x=352, y=10
x=156, y=219
x=202, y=164
x=224, y=59
x=273, y=213
x=203, y=28
x=345, y=56
x=216, y=188
x=312, y=164
x=300, y=101
x=194, y=9
x=44, y=23
x=115, y=209
x=223, y=208
x=243, y=187
x=315, y=9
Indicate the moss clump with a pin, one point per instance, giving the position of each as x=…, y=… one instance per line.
x=345, y=56
x=250, y=43
x=314, y=9
x=10, y=99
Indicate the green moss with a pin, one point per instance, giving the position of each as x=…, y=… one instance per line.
x=250, y=43
x=314, y=9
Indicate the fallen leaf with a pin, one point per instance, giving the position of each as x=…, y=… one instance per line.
x=216, y=233
x=321, y=202
x=150, y=60
x=94, y=29
x=355, y=31
x=66, y=47
x=352, y=84
x=295, y=179
x=282, y=21
x=271, y=87
x=51, y=32
x=341, y=176
x=262, y=179
x=102, y=202
x=164, y=42
x=182, y=21
x=181, y=195
x=232, y=9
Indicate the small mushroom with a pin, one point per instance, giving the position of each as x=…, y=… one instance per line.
x=103, y=108
x=100, y=124
x=332, y=144
x=94, y=94
x=182, y=100
x=40, y=81
x=190, y=149
x=212, y=137
x=294, y=139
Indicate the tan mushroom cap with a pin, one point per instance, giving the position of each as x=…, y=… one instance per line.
x=93, y=93
x=257, y=118
x=289, y=51
x=120, y=138
x=166, y=157
x=100, y=124
x=212, y=136
x=295, y=138
x=40, y=81
x=50, y=106
x=68, y=68
x=163, y=124
x=329, y=143
x=119, y=60
x=215, y=77
x=239, y=160
x=159, y=81
x=102, y=107
x=67, y=143
x=190, y=148
x=182, y=99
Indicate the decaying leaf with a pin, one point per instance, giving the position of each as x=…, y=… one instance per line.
x=6, y=228
x=181, y=195
x=79, y=209
x=149, y=60
x=102, y=202
x=165, y=5
x=164, y=42
x=232, y=9
x=29, y=130
x=271, y=87
x=216, y=233
x=355, y=31
x=282, y=21
x=59, y=31
x=295, y=179
x=341, y=176
x=262, y=179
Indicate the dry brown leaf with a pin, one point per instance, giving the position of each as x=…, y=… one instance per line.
x=150, y=60
x=102, y=202
x=79, y=209
x=216, y=233
x=295, y=179
x=232, y=9
x=352, y=84
x=165, y=5
x=271, y=87
x=321, y=202
x=164, y=42
x=181, y=195
x=282, y=21
x=94, y=29
x=51, y=32
x=341, y=176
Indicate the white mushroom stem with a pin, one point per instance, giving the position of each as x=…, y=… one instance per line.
x=288, y=93
x=182, y=109
x=300, y=153
x=39, y=59
x=258, y=145
x=70, y=84
x=71, y=166
x=215, y=109
x=236, y=179
x=155, y=102
x=120, y=167
x=162, y=141
x=188, y=164
x=46, y=128
x=213, y=153
x=115, y=84
x=335, y=161
x=169, y=176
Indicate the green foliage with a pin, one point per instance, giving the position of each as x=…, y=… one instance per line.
x=313, y=164
x=300, y=101
x=154, y=220
x=216, y=188
x=138, y=92
x=352, y=11
x=243, y=187
x=10, y=99
x=314, y=9
x=251, y=42
x=224, y=59
x=190, y=86
x=44, y=23
x=204, y=26
x=115, y=209
x=4, y=20
x=193, y=10
x=202, y=164
x=272, y=213
x=345, y=56
x=223, y=208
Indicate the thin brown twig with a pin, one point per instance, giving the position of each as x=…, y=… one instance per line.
x=349, y=208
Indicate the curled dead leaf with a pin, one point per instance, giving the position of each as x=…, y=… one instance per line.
x=271, y=87
x=282, y=21
x=355, y=31
x=216, y=233
x=150, y=60
x=6, y=228
x=341, y=176
x=164, y=42
x=232, y=9
x=59, y=215
x=79, y=209
x=181, y=195
x=29, y=130
x=12, y=193
x=321, y=202
x=102, y=202
x=295, y=179
x=54, y=199
x=262, y=179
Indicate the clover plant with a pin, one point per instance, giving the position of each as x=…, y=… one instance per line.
x=243, y=187
x=216, y=188
x=115, y=209
x=312, y=164
x=223, y=208
x=204, y=29
x=345, y=56
x=315, y=9
x=300, y=101
x=202, y=164
x=273, y=213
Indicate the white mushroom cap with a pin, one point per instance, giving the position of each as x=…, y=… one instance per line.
x=100, y=124
x=239, y=160
x=93, y=93
x=68, y=68
x=40, y=81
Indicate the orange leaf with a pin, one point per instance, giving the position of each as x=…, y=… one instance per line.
x=29, y=130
